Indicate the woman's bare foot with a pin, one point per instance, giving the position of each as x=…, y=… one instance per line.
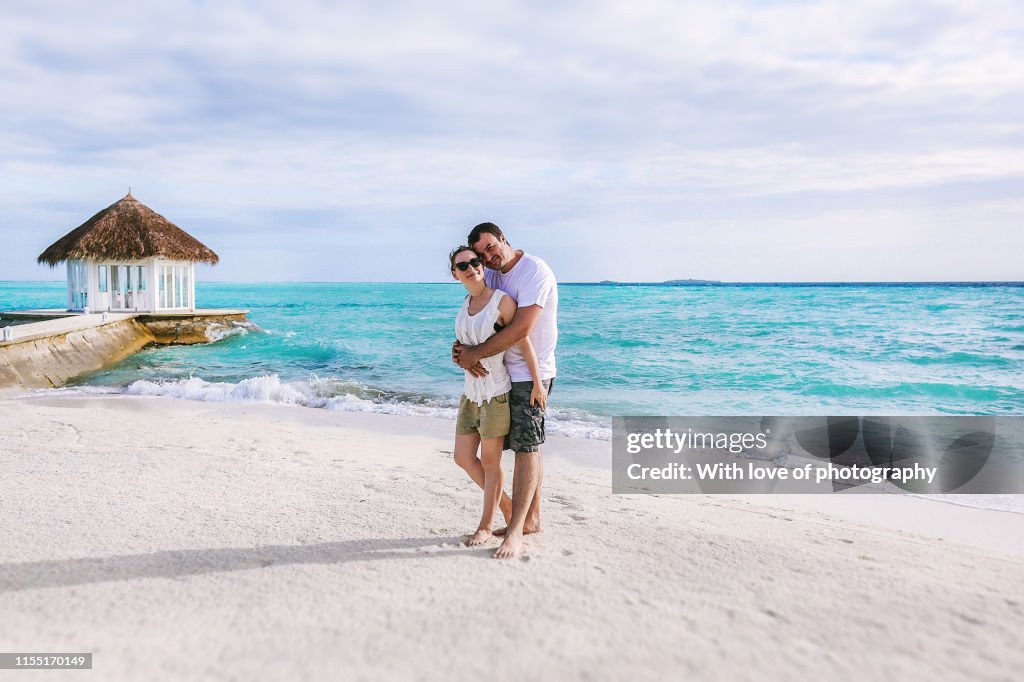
x=481, y=536
x=506, y=511
x=511, y=547
x=527, y=529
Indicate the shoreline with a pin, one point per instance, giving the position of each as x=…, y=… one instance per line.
x=270, y=389
x=929, y=516
x=230, y=540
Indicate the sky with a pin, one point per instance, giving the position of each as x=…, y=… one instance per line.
x=631, y=141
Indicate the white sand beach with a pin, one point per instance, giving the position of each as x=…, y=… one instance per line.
x=183, y=540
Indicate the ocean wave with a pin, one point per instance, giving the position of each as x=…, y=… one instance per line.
x=219, y=331
x=961, y=358
x=332, y=393
x=998, y=502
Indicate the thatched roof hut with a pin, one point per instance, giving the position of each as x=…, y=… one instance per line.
x=127, y=231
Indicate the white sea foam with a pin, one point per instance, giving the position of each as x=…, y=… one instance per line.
x=1001, y=502
x=350, y=396
x=263, y=389
x=219, y=331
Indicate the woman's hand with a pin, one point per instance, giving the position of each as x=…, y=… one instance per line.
x=539, y=395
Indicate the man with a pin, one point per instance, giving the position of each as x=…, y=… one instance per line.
x=529, y=281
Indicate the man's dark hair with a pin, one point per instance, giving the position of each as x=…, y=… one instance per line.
x=489, y=228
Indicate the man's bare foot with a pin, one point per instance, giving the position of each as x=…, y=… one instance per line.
x=527, y=529
x=511, y=547
x=478, y=538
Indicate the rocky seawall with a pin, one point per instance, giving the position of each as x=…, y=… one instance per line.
x=51, y=353
x=189, y=329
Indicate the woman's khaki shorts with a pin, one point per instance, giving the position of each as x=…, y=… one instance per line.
x=490, y=420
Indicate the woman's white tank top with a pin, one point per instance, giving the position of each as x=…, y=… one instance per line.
x=472, y=330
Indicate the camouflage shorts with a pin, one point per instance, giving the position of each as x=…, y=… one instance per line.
x=527, y=431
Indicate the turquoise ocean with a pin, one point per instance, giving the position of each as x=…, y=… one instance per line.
x=771, y=349
x=755, y=349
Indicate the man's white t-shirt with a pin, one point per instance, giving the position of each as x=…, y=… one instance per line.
x=531, y=282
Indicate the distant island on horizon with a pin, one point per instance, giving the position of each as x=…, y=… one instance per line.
x=667, y=283
x=719, y=283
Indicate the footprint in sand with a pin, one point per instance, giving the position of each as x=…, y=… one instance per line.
x=566, y=502
x=629, y=510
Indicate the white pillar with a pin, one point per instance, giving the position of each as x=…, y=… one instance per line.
x=150, y=284
x=156, y=285
x=69, y=283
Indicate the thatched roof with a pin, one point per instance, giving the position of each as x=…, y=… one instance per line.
x=127, y=230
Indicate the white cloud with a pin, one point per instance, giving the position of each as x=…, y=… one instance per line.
x=310, y=129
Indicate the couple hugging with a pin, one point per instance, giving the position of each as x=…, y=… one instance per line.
x=506, y=333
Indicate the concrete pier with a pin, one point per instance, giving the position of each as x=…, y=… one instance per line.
x=47, y=348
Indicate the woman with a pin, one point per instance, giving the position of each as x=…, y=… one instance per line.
x=483, y=420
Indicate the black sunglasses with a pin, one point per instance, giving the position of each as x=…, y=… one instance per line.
x=464, y=265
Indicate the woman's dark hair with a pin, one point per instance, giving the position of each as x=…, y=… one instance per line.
x=455, y=252
x=489, y=228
